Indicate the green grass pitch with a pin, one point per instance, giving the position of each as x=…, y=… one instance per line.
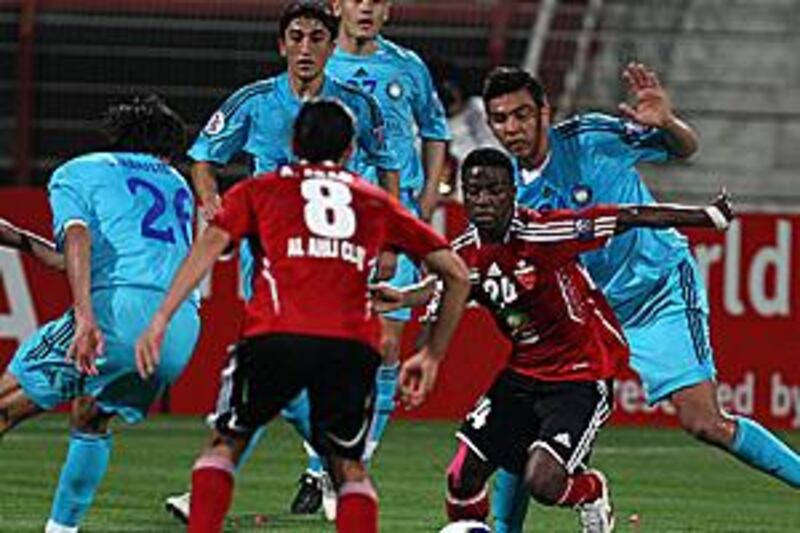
x=672, y=483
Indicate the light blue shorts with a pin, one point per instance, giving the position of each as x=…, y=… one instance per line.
x=48, y=379
x=407, y=272
x=669, y=335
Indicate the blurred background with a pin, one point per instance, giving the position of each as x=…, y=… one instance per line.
x=731, y=65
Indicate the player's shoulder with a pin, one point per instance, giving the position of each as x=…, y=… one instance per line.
x=85, y=167
x=466, y=240
x=247, y=93
x=587, y=124
x=400, y=53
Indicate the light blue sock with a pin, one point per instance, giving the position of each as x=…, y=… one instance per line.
x=759, y=448
x=248, y=451
x=385, y=387
x=298, y=414
x=84, y=467
x=510, y=500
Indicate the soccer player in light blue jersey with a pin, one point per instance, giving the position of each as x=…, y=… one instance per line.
x=649, y=277
x=123, y=220
x=257, y=120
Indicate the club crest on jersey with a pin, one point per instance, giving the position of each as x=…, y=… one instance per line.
x=394, y=90
x=525, y=275
x=215, y=124
x=584, y=227
x=581, y=194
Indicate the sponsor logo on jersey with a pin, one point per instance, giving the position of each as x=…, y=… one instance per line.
x=563, y=439
x=215, y=124
x=494, y=271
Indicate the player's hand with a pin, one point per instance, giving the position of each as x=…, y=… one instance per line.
x=386, y=298
x=428, y=202
x=209, y=207
x=721, y=211
x=417, y=378
x=387, y=264
x=87, y=345
x=148, y=347
x=652, y=106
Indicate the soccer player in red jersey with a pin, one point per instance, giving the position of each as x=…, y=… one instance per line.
x=316, y=230
x=542, y=413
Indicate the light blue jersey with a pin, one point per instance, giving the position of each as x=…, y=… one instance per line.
x=401, y=83
x=258, y=119
x=139, y=213
x=138, y=209
x=591, y=161
x=648, y=276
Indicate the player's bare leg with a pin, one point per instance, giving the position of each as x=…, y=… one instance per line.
x=212, y=481
x=550, y=484
x=84, y=467
x=15, y=406
x=357, y=501
x=385, y=382
x=702, y=417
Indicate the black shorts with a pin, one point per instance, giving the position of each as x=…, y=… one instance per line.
x=520, y=413
x=265, y=373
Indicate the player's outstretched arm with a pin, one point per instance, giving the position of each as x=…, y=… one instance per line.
x=204, y=180
x=418, y=374
x=28, y=242
x=653, y=107
x=717, y=215
x=205, y=251
x=386, y=298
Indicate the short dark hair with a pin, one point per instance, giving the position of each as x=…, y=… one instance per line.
x=323, y=130
x=314, y=9
x=505, y=80
x=487, y=157
x=145, y=123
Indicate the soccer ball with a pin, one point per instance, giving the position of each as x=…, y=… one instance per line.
x=466, y=526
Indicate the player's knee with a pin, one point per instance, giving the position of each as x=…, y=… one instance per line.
x=87, y=416
x=390, y=347
x=346, y=471
x=545, y=478
x=462, y=483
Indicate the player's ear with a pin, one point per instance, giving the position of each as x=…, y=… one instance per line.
x=337, y=8
x=546, y=113
x=348, y=152
x=387, y=11
x=282, y=47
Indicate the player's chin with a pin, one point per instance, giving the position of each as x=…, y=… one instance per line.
x=484, y=222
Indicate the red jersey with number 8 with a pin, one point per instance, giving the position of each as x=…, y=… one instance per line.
x=542, y=299
x=315, y=232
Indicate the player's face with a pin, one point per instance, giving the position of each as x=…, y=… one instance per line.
x=519, y=124
x=362, y=20
x=488, y=197
x=306, y=45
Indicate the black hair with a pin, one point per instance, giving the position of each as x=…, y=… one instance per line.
x=145, y=123
x=323, y=130
x=487, y=157
x=505, y=80
x=314, y=9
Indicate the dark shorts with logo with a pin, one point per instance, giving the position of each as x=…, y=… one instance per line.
x=520, y=414
x=265, y=373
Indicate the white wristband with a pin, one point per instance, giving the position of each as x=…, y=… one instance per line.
x=717, y=218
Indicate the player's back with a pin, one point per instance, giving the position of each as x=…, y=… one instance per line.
x=138, y=210
x=315, y=232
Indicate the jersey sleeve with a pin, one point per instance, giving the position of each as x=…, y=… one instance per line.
x=622, y=139
x=225, y=133
x=69, y=200
x=236, y=215
x=371, y=135
x=409, y=234
x=561, y=235
x=428, y=109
